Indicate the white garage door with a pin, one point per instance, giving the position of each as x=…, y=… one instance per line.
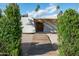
x=28, y=25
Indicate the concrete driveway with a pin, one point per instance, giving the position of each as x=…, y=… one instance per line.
x=39, y=44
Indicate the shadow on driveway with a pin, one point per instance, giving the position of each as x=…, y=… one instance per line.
x=38, y=49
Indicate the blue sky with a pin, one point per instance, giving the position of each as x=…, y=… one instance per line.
x=29, y=7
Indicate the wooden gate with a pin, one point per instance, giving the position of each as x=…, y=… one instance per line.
x=39, y=26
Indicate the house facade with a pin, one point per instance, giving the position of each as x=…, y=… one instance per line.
x=33, y=25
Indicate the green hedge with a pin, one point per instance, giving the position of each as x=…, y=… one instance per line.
x=68, y=33
x=10, y=31
x=0, y=13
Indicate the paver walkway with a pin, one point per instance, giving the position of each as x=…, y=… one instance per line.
x=41, y=46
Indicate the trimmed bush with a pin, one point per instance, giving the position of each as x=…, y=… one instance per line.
x=10, y=31
x=68, y=33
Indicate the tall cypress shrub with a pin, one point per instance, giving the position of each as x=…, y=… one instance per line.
x=10, y=31
x=0, y=13
x=68, y=33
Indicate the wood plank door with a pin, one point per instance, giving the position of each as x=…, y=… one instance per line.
x=39, y=26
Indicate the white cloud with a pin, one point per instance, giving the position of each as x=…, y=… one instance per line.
x=42, y=12
x=51, y=4
x=50, y=16
x=52, y=9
